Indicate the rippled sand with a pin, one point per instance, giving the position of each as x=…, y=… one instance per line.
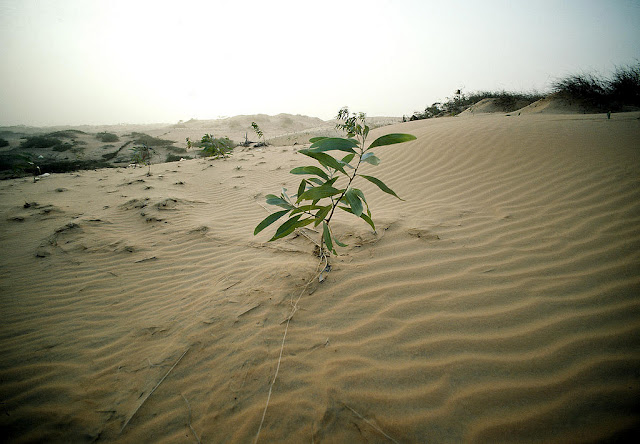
x=498, y=303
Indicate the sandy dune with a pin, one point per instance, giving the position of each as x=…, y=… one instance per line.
x=498, y=303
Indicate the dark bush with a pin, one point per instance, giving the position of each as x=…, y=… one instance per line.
x=617, y=93
x=40, y=142
x=145, y=139
x=3, y=143
x=508, y=101
x=174, y=158
x=62, y=147
x=66, y=134
x=624, y=86
x=588, y=90
x=107, y=137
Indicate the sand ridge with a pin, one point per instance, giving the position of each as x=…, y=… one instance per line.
x=498, y=303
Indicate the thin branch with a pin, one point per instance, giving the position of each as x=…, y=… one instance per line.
x=284, y=337
x=153, y=390
x=371, y=424
x=189, y=419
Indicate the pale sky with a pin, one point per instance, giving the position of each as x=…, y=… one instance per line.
x=72, y=62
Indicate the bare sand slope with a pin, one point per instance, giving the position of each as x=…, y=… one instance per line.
x=498, y=303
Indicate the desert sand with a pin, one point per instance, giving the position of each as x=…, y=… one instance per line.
x=498, y=303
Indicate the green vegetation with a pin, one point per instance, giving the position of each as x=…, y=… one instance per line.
x=507, y=101
x=619, y=92
x=3, y=142
x=259, y=133
x=107, y=137
x=42, y=141
x=53, y=140
x=175, y=158
x=66, y=134
x=212, y=146
x=319, y=195
x=19, y=165
x=142, y=156
x=145, y=139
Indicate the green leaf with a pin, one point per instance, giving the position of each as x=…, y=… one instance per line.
x=319, y=193
x=272, y=199
x=333, y=144
x=286, y=228
x=324, y=159
x=390, y=139
x=360, y=194
x=289, y=226
x=326, y=236
x=310, y=170
x=316, y=180
x=340, y=244
x=303, y=208
x=348, y=158
x=315, y=139
x=370, y=158
x=354, y=201
x=302, y=187
x=363, y=216
x=269, y=220
x=380, y=185
x=321, y=214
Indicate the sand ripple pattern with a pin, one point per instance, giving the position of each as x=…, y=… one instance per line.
x=498, y=303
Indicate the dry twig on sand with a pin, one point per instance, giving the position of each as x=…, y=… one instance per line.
x=189, y=419
x=378, y=429
x=151, y=392
x=284, y=337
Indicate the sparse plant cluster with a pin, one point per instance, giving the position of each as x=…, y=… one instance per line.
x=506, y=100
x=142, y=156
x=260, y=135
x=616, y=93
x=55, y=141
x=218, y=147
x=619, y=92
x=145, y=139
x=107, y=137
x=330, y=186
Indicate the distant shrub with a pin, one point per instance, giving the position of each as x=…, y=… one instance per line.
x=212, y=146
x=66, y=134
x=145, y=139
x=507, y=101
x=620, y=91
x=175, y=158
x=624, y=86
x=62, y=147
x=587, y=89
x=3, y=143
x=43, y=141
x=177, y=150
x=107, y=137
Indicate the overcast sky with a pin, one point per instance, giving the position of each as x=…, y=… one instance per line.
x=101, y=62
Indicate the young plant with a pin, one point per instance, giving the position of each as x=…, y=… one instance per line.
x=329, y=186
x=142, y=156
x=215, y=147
x=259, y=133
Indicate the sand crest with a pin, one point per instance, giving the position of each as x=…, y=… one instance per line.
x=498, y=303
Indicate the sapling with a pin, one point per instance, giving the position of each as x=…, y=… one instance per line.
x=259, y=133
x=142, y=155
x=215, y=147
x=329, y=186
